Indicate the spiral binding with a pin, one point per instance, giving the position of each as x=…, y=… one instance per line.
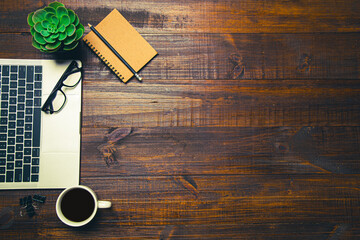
x=104, y=59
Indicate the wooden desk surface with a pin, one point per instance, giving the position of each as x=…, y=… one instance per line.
x=246, y=125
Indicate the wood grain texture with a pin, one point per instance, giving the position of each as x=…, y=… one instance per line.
x=230, y=16
x=246, y=125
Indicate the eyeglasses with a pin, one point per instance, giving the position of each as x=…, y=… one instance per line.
x=57, y=98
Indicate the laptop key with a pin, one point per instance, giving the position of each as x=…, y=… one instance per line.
x=27, y=159
x=2, y=170
x=35, y=161
x=10, y=157
x=34, y=169
x=2, y=137
x=36, y=152
x=22, y=71
x=13, y=68
x=13, y=84
x=18, y=175
x=27, y=151
x=12, y=117
x=9, y=176
x=28, y=127
x=4, y=96
x=13, y=100
x=38, y=69
x=2, y=178
x=19, y=155
x=30, y=74
x=18, y=164
x=13, y=76
x=2, y=161
x=26, y=173
x=4, y=113
x=11, y=149
x=11, y=133
x=12, y=125
x=10, y=166
x=27, y=135
x=19, y=147
x=3, y=129
x=11, y=141
x=34, y=178
x=5, y=80
x=36, y=127
x=5, y=70
x=27, y=143
x=37, y=102
x=20, y=131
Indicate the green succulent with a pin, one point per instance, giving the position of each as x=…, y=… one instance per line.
x=55, y=28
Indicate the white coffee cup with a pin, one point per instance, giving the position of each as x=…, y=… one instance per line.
x=77, y=206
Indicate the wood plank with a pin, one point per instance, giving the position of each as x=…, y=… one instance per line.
x=219, y=151
x=226, y=103
x=290, y=231
x=209, y=56
x=223, y=200
x=231, y=16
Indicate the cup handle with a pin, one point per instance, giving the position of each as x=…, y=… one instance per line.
x=104, y=204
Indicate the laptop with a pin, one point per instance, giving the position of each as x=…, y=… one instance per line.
x=37, y=150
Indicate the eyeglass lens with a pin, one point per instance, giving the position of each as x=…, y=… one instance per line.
x=69, y=79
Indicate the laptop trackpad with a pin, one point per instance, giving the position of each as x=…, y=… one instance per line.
x=60, y=131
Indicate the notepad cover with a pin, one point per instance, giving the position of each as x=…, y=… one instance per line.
x=125, y=40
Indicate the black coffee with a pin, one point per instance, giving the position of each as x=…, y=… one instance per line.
x=77, y=205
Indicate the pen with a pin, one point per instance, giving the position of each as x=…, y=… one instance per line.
x=114, y=51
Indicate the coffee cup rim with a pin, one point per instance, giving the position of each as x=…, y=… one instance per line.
x=66, y=220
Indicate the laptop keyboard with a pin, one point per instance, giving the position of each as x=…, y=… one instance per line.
x=20, y=88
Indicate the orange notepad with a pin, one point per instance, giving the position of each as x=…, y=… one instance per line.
x=136, y=51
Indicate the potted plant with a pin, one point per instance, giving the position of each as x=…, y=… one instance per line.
x=55, y=28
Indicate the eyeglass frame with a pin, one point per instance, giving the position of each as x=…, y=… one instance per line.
x=46, y=107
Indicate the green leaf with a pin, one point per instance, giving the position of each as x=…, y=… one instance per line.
x=79, y=33
x=50, y=10
x=38, y=27
x=45, y=33
x=45, y=23
x=39, y=15
x=80, y=26
x=43, y=48
x=53, y=46
x=71, y=46
x=62, y=28
x=70, y=40
x=29, y=19
x=76, y=21
x=54, y=20
x=61, y=11
x=72, y=15
x=36, y=44
x=70, y=30
x=55, y=5
x=49, y=39
x=48, y=16
x=54, y=36
x=32, y=31
x=39, y=38
x=62, y=36
x=65, y=20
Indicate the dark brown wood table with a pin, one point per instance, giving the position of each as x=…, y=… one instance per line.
x=246, y=125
